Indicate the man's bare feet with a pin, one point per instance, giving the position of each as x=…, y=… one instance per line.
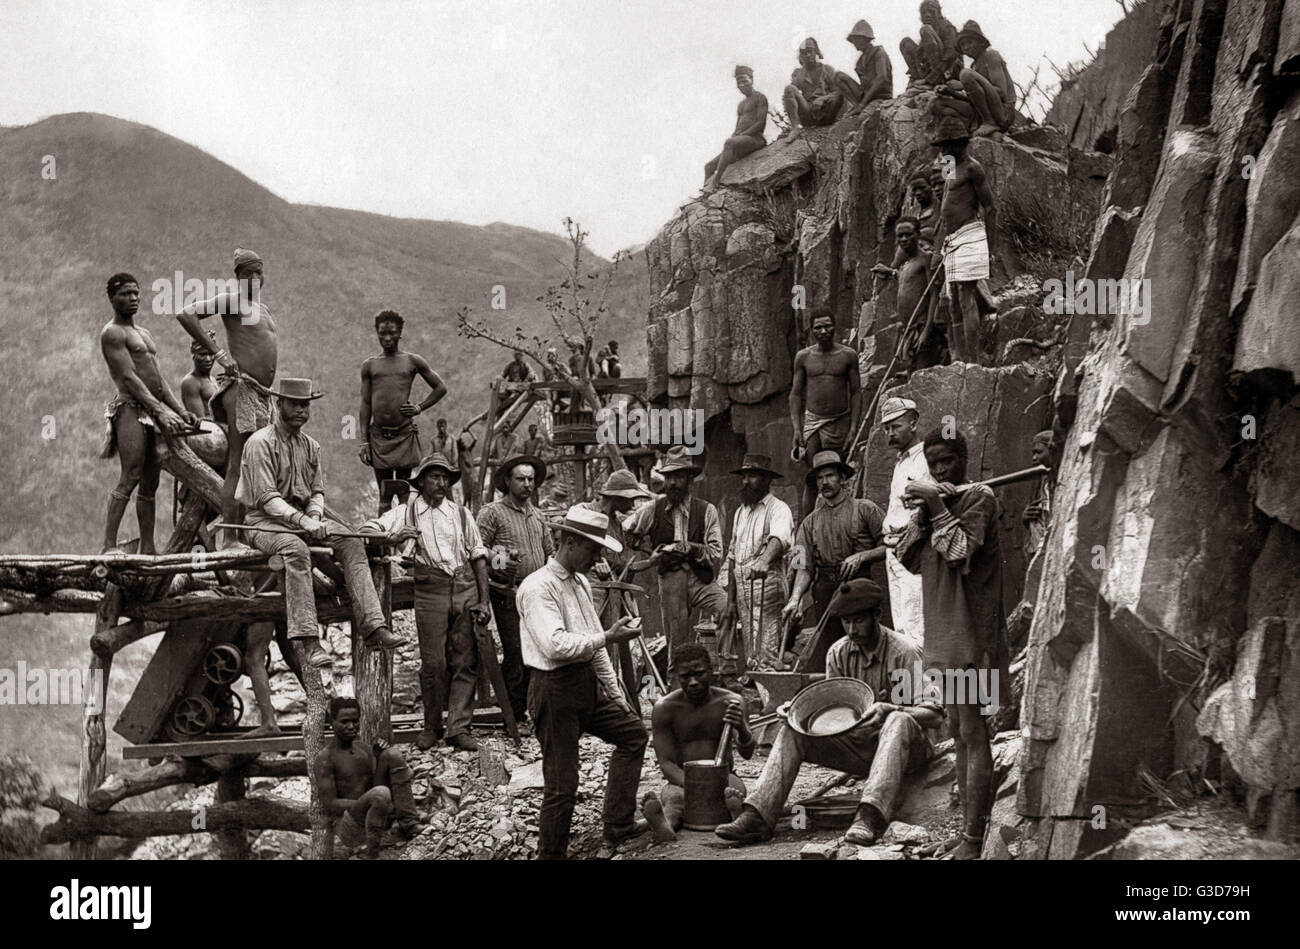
x=986, y=130
x=654, y=813
x=735, y=800
x=265, y=730
x=939, y=849
x=793, y=135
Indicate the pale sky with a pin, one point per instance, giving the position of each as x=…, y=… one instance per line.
x=524, y=112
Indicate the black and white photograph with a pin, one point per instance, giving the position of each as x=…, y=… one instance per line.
x=654, y=430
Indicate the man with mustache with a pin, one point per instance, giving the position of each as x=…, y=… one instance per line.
x=573, y=688
x=753, y=575
x=838, y=541
x=899, y=418
x=449, y=565
x=684, y=536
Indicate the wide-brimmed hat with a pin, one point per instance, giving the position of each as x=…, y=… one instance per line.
x=756, y=462
x=510, y=464
x=623, y=484
x=862, y=28
x=435, y=460
x=299, y=389
x=971, y=30
x=829, y=459
x=894, y=408
x=855, y=597
x=678, y=459
x=593, y=525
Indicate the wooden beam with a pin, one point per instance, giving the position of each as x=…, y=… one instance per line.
x=93, y=765
x=372, y=669
x=231, y=745
x=77, y=824
x=197, y=771
x=199, y=604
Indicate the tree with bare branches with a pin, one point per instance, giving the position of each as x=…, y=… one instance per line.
x=576, y=306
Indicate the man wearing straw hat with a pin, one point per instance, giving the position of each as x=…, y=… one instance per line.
x=899, y=418
x=514, y=530
x=282, y=484
x=615, y=499
x=889, y=740
x=762, y=530
x=573, y=688
x=684, y=535
x=451, y=594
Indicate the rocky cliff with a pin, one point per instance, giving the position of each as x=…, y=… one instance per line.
x=1161, y=630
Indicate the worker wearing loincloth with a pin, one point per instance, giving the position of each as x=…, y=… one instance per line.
x=252, y=403
x=825, y=396
x=395, y=447
x=363, y=788
x=687, y=726
x=966, y=254
x=893, y=739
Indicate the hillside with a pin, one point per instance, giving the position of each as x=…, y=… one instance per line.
x=127, y=197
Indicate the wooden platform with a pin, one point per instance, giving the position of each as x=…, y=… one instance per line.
x=406, y=728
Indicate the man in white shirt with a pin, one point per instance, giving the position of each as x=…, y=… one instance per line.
x=573, y=689
x=761, y=532
x=449, y=560
x=899, y=419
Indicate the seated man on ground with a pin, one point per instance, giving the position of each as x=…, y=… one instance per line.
x=891, y=741
x=687, y=726
x=360, y=787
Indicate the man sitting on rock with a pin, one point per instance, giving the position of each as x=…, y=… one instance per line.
x=934, y=60
x=817, y=91
x=875, y=71
x=751, y=120
x=888, y=743
x=360, y=787
x=687, y=726
x=986, y=82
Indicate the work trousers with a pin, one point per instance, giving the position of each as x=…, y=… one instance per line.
x=513, y=670
x=905, y=599
x=448, y=672
x=564, y=703
x=883, y=755
x=759, y=603
x=300, y=597
x=686, y=601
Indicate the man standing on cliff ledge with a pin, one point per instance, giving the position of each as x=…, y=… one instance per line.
x=824, y=397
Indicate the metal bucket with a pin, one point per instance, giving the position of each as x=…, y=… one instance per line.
x=705, y=805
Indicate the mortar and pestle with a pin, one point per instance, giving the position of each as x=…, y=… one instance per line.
x=704, y=786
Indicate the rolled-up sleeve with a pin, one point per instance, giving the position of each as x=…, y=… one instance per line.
x=256, y=475
x=474, y=545
x=542, y=619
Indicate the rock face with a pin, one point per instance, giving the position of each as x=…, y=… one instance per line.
x=1161, y=624
x=798, y=227
x=1173, y=538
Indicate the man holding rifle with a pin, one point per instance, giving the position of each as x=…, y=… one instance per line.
x=282, y=484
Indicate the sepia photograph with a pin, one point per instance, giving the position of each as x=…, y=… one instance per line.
x=660, y=430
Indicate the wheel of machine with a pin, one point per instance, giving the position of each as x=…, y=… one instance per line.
x=230, y=709
x=223, y=664
x=190, y=717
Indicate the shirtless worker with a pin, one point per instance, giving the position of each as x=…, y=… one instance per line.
x=250, y=334
x=751, y=120
x=361, y=787
x=824, y=396
x=964, y=247
x=912, y=270
x=686, y=725
x=197, y=390
x=390, y=440
x=143, y=402
x=986, y=82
